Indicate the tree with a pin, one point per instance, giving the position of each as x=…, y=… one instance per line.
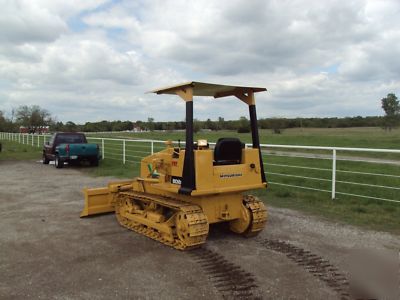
x=3, y=122
x=210, y=125
x=33, y=117
x=244, y=125
x=221, y=123
x=150, y=123
x=70, y=126
x=277, y=125
x=196, y=125
x=391, y=106
x=57, y=126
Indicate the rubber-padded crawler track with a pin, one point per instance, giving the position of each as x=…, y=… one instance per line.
x=316, y=265
x=199, y=223
x=229, y=279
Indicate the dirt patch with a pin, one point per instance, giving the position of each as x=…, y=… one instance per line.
x=47, y=251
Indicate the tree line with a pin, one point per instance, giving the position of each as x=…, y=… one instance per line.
x=35, y=117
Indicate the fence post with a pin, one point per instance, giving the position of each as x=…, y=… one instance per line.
x=38, y=138
x=123, y=151
x=102, y=148
x=333, y=174
x=33, y=137
x=152, y=147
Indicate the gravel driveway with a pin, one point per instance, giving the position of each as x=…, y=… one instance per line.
x=47, y=251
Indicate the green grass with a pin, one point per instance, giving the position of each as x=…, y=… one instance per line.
x=15, y=151
x=109, y=167
x=363, y=137
x=368, y=213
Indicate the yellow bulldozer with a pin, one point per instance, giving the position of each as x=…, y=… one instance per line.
x=182, y=190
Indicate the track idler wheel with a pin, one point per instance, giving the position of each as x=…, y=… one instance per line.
x=253, y=217
x=243, y=223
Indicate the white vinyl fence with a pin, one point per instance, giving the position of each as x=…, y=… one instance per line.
x=357, y=172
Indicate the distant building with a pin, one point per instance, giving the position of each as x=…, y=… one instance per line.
x=137, y=129
x=38, y=130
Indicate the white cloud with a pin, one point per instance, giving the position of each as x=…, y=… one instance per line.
x=93, y=60
x=26, y=21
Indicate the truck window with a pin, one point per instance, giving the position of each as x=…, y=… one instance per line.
x=71, y=139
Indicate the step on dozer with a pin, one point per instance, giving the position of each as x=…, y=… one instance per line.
x=182, y=190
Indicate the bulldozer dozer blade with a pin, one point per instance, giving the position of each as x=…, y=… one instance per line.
x=97, y=201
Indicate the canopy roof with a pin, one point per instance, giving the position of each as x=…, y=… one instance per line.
x=209, y=89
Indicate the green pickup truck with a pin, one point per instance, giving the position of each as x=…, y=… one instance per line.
x=70, y=147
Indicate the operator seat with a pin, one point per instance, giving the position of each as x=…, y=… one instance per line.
x=228, y=151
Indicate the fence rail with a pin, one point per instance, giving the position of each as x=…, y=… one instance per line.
x=382, y=186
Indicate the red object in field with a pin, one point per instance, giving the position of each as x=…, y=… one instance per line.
x=37, y=130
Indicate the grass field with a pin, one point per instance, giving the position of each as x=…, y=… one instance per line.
x=15, y=151
x=374, y=214
x=363, y=137
x=369, y=213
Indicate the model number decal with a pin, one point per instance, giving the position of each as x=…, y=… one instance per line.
x=176, y=180
x=230, y=175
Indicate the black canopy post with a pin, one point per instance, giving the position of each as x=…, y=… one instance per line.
x=188, y=175
x=255, y=137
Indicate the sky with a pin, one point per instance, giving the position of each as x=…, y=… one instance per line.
x=95, y=60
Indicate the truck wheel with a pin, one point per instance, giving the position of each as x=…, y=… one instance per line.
x=94, y=162
x=58, y=163
x=45, y=160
